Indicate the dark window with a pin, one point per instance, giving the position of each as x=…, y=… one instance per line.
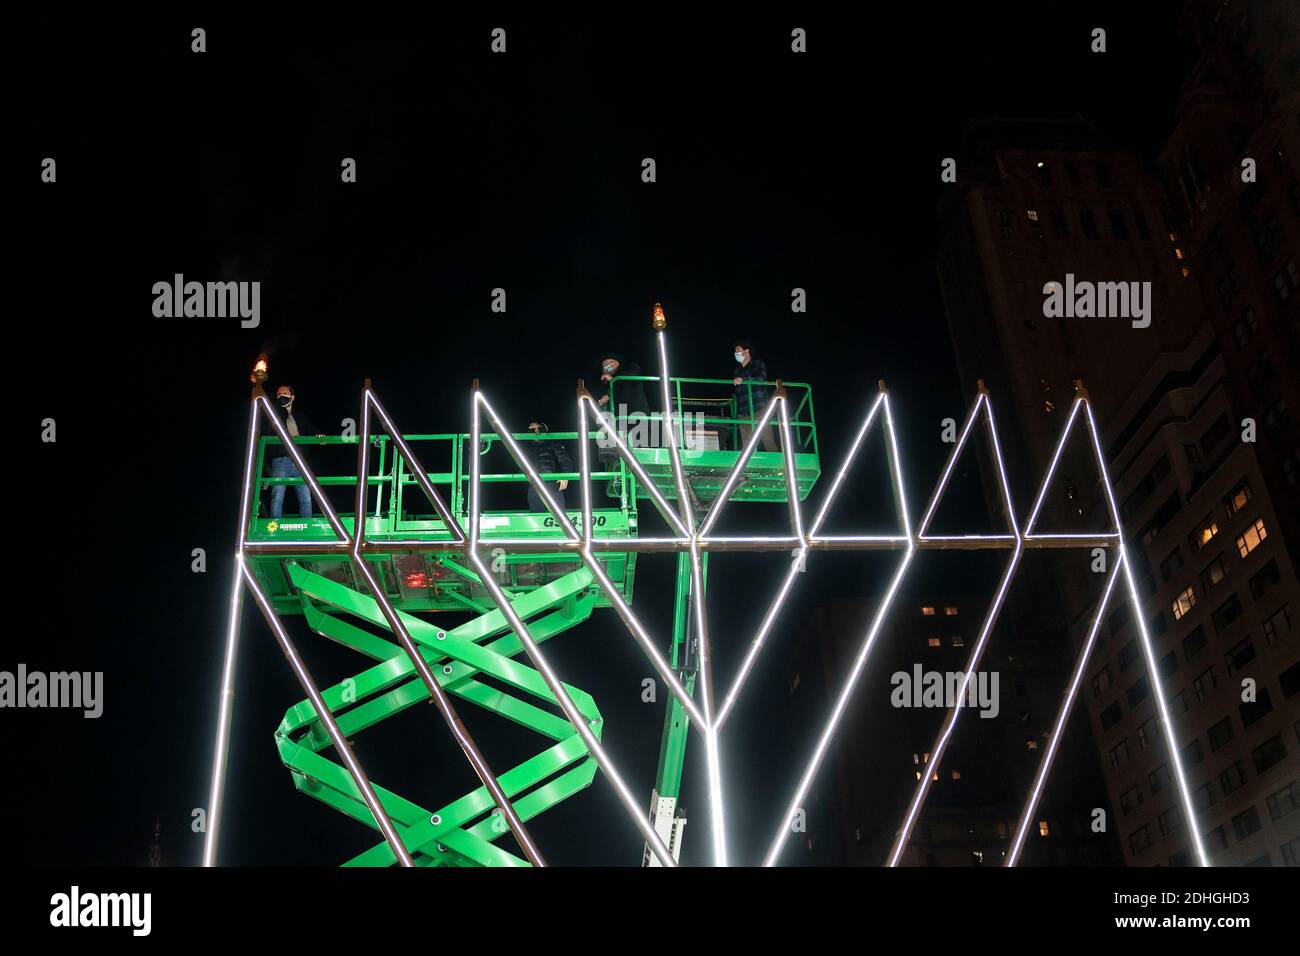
x=1233, y=778
x=1214, y=572
x=1242, y=653
x=1139, y=691
x=1264, y=579
x=1220, y=733
x=1245, y=823
x=1192, y=754
x=1194, y=642
x=1111, y=716
x=1269, y=754
x=1129, y=655
x=1060, y=225
x=1168, y=664
x=1290, y=680
x=1284, y=802
x=1226, y=613
x=1140, y=839
x=1130, y=800
x=1278, y=624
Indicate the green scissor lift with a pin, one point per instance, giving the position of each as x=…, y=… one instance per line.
x=480, y=660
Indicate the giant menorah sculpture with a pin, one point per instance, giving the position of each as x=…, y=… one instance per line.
x=690, y=535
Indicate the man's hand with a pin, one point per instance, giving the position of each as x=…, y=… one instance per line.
x=603, y=400
x=737, y=380
x=320, y=435
x=564, y=484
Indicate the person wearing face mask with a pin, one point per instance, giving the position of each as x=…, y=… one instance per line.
x=548, y=457
x=751, y=400
x=282, y=466
x=630, y=396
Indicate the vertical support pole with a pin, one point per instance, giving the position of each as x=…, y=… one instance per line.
x=226, y=700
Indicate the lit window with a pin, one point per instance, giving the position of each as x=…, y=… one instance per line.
x=1031, y=744
x=950, y=611
x=1043, y=828
x=958, y=641
x=1236, y=499
x=928, y=611
x=1203, y=534
x=1032, y=214
x=935, y=642
x=1249, y=541
x=956, y=775
x=1184, y=603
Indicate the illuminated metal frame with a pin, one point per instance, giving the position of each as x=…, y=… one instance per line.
x=693, y=539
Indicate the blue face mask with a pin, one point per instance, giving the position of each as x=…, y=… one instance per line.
x=740, y=358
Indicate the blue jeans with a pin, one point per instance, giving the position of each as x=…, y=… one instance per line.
x=283, y=467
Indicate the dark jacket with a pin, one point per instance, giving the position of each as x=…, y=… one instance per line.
x=550, y=457
x=756, y=369
x=629, y=394
x=306, y=427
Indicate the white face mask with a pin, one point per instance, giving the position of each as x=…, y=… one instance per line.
x=740, y=358
x=608, y=368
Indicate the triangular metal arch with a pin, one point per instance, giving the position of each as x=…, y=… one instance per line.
x=498, y=427
x=1046, y=484
x=370, y=401
x=1008, y=509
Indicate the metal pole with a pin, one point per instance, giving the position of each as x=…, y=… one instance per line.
x=226, y=702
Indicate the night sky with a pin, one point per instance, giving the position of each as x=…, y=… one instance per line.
x=475, y=171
